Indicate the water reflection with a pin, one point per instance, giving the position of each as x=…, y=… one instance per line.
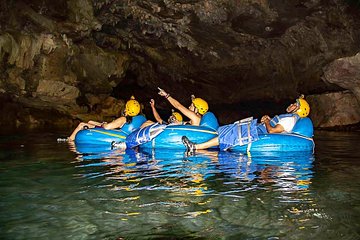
x=163, y=184
x=94, y=193
x=197, y=173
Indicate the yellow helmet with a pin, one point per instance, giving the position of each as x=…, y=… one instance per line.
x=201, y=105
x=177, y=116
x=132, y=107
x=304, y=108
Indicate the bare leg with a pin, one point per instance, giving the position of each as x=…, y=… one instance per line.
x=147, y=123
x=192, y=146
x=211, y=143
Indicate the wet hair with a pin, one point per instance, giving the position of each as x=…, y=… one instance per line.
x=128, y=119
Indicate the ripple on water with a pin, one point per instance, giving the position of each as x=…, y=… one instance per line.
x=51, y=193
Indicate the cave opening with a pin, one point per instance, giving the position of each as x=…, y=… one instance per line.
x=130, y=87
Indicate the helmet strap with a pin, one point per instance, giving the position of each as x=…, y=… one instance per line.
x=128, y=119
x=297, y=105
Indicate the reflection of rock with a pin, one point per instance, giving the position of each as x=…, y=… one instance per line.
x=334, y=109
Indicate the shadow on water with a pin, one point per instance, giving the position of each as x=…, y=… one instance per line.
x=50, y=192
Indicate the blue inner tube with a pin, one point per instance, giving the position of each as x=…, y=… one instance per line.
x=170, y=138
x=99, y=136
x=299, y=140
x=278, y=142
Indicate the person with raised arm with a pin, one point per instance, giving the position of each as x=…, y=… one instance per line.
x=197, y=112
x=228, y=135
x=175, y=117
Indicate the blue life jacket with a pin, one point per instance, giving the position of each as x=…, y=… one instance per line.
x=135, y=124
x=209, y=120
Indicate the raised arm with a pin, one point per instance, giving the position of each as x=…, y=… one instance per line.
x=155, y=113
x=194, y=118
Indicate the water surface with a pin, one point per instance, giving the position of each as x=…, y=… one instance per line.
x=51, y=190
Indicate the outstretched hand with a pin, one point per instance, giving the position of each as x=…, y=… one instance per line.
x=152, y=102
x=162, y=92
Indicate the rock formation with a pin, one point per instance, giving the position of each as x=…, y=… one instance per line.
x=72, y=58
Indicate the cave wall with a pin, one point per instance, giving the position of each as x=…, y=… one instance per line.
x=83, y=58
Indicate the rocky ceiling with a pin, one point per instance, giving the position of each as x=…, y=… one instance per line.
x=70, y=56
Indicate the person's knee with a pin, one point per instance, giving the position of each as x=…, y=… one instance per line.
x=147, y=123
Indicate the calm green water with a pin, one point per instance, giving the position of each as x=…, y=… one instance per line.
x=50, y=191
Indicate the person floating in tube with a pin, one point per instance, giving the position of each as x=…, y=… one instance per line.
x=228, y=134
x=130, y=117
x=198, y=111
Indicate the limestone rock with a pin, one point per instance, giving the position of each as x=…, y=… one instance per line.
x=56, y=91
x=236, y=54
x=94, y=67
x=334, y=109
x=111, y=107
x=15, y=81
x=345, y=72
x=104, y=105
x=22, y=49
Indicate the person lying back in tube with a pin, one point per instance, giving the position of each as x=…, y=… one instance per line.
x=227, y=135
x=175, y=117
x=149, y=129
x=197, y=112
x=129, y=122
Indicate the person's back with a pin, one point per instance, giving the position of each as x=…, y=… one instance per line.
x=209, y=120
x=133, y=124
